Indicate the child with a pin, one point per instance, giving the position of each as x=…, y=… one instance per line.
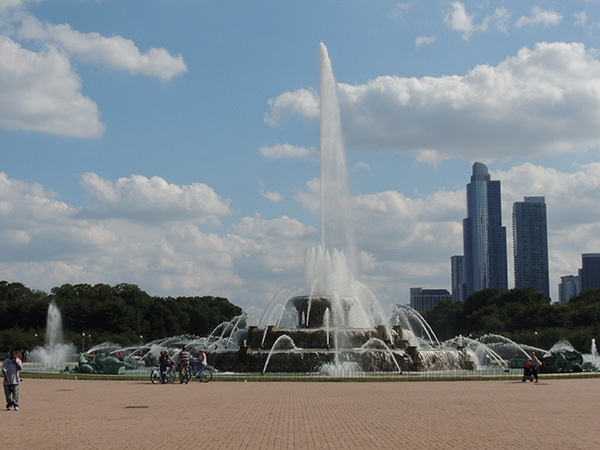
x=527, y=372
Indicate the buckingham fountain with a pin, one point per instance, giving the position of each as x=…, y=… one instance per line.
x=333, y=322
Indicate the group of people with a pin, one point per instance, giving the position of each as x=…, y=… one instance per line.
x=531, y=368
x=185, y=360
x=11, y=367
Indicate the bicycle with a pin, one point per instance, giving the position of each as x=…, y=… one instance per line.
x=168, y=376
x=204, y=375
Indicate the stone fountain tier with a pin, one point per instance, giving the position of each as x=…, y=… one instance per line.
x=311, y=309
x=322, y=338
x=308, y=360
x=309, y=349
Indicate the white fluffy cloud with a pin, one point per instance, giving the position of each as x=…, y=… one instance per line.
x=303, y=103
x=40, y=92
x=540, y=16
x=458, y=19
x=279, y=151
x=115, y=51
x=420, y=41
x=45, y=242
x=542, y=100
x=272, y=196
x=154, y=200
x=39, y=89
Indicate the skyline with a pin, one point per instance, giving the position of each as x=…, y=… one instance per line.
x=175, y=146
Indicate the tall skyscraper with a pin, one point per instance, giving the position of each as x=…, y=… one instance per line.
x=484, y=237
x=458, y=278
x=530, y=243
x=590, y=271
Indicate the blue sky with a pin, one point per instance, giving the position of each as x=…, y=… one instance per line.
x=174, y=145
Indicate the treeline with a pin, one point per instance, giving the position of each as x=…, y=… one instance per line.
x=522, y=315
x=123, y=314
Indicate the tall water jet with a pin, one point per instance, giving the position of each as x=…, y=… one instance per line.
x=337, y=231
x=54, y=332
x=54, y=349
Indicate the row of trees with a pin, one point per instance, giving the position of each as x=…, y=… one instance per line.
x=122, y=314
x=522, y=315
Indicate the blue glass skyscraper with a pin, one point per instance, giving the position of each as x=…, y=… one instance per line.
x=484, y=237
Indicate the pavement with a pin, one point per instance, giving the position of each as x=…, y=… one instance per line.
x=506, y=414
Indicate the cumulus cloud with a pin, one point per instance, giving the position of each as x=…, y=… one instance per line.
x=420, y=41
x=40, y=92
x=540, y=16
x=303, y=102
x=45, y=242
x=153, y=199
x=542, y=100
x=39, y=89
x=35, y=225
x=458, y=19
x=115, y=52
x=570, y=195
x=280, y=151
x=272, y=196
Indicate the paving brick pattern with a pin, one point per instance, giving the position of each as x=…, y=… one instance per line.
x=553, y=414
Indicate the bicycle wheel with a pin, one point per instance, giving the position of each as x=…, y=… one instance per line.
x=171, y=376
x=155, y=377
x=205, y=376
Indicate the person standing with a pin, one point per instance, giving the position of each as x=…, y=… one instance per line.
x=10, y=370
x=183, y=362
x=535, y=366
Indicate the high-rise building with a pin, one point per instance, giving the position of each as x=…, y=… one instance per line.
x=458, y=278
x=568, y=288
x=426, y=299
x=484, y=237
x=590, y=271
x=530, y=244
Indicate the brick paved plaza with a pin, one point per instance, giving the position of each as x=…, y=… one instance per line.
x=554, y=414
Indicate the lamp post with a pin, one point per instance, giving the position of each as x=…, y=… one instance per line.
x=82, y=342
x=535, y=333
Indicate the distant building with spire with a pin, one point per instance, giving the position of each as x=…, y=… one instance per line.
x=484, y=237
